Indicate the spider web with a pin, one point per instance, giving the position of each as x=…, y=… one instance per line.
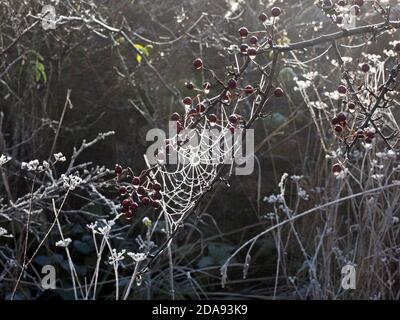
x=196, y=167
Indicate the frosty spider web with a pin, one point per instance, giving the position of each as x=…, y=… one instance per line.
x=199, y=152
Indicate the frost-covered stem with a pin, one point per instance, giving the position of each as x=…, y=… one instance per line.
x=133, y=277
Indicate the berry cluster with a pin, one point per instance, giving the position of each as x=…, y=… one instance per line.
x=140, y=191
x=336, y=10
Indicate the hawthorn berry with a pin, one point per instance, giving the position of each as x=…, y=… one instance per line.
x=365, y=67
x=338, y=128
x=123, y=190
x=145, y=201
x=278, y=92
x=233, y=119
x=155, y=204
x=253, y=40
x=118, y=169
x=232, y=84
x=341, y=117
x=175, y=116
x=136, y=181
x=133, y=206
x=187, y=101
x=126, y=203
x=351, y=106
x=128, y=214
x=276, y=11
x=200, y=108
x=249, y=89
x=156, y=186
x=263, y=17
x=212, y=118
x=198, y=63
x=252, y=53
x=156, y=196
x=335, y=121
x=243, y=31
x=192, y=112
x=342, y=89
x=141, y=191
x=370, y=134
x=337, y=168
x=360, y=133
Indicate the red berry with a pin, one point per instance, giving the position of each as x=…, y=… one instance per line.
x=118, y=169
x=133, y=206
x=232, y=84
x=156, y=196
x=338, y=128
x=252, y=53
x=123, y=191
x=198, y=63
x=253, y=40
x=335, y=121
x=192, y=112
x=351, y=106
x=155, y=204
x=276, y=11
x=141, y=191
x=200, y=108
x=233, y=119
x=341, y=117
x=370, y=134
x=175, y=116
x=263, y=17
x=136, y=181
x=243, y=31
x=337, y=168
x=126, y=203
x=145, y=201
x=128, y=214
x=249, y=89
x=342, y=89
x=156, y=186
x=365, y=67
x=187, y=101
x=212, y=118
x=278, y=92
x=360, y=133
